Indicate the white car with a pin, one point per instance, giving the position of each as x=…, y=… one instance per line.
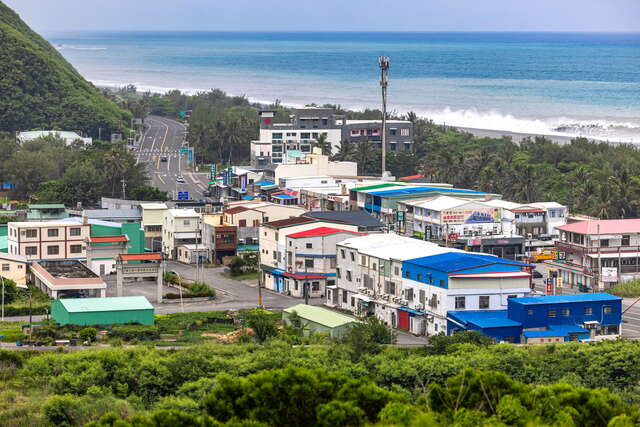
x=180, y=179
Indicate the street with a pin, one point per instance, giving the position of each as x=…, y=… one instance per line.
x=163, y=138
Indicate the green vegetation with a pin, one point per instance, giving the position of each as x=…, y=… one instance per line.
x=461, y=381
x=18, y=302
x=40, y=89
x=628, y=289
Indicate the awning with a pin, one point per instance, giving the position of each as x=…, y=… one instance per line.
x=615, y=255
x=185, y=235
x=499, y=275
x=411, y=311
x=363, y=298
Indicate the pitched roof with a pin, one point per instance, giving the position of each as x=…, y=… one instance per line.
x=603, y=226
x=320, y=231
x=456, y=261
x=12, y=257
x=108, y=239
x=151, y=256
x=356, y=217
x=82, y=305
x=289, y=222
x=236, y=209
x=319, y=315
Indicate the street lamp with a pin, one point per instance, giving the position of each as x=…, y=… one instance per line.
x=180, y=290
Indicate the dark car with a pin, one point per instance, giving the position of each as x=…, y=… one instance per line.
x=163, y=159
x=536, y=274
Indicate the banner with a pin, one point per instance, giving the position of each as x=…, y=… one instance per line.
x=609, y=274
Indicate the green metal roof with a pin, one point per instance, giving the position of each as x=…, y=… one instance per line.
x=46, y=206
x=84, y=305
x=377, y=186
x=320, y=315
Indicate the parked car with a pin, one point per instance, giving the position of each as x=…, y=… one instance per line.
x=163, y=159
x=536, y=274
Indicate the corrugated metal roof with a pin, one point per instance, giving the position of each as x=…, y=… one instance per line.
x=603, y=226
x=320, y=231
x=150, y=256
x=421, y=189
x=289, y=221
x=84, y=305
x=484, y=319
x=46, y=206
x=377, y=186
x=556, y=331
x=553, y=299
x=358, y=217
x=455, y=261
x=322, y=316
x=108, y=239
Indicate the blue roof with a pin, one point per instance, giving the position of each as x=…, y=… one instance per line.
x=414, y=190
x=247, y=197
x=454, y=261
x=283, y=196
x=556, y=331
x=263, y=183
x=552, y=299
x=412, y=311
x=484, y=319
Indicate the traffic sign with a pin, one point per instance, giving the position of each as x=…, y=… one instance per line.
x=183, y=195
x=213, y=172
x=184, y=150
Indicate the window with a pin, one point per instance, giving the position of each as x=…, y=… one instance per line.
x=76, y=231
x=419, y=277
x=32, y=233
x=344, y=297
x=353, y=256
x=484, y=301
x=530, y=312
x=276, y=135
x=363, y=260
x=393, y=131
x=409, y=294
x=31, y=250
x=242, y=223
x=52, y=232
x=338, y=275
x=315, y=286
x=604, y=243
x=5, y=267
x=353, y=301
x=588, y=311
x=308, y=263
x=442, y=283
x=407, y=274
x=460, y=302
x=305, y=135
x=349, y=278
x=342, y=253
x=309, y=245
x=626, y=240
x=275, y=255
x=606, y=309
x=53, y=250
x=389, y=287
x=75, y=249
x=187, y=222
x=422, y=296
x=551, y=313
x=404, y=132
x=565, y=312
x=374, y=266
x=396, y=270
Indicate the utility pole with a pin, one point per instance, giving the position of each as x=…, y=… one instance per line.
x=383, y=61
x=2, y=278
x=124, y=187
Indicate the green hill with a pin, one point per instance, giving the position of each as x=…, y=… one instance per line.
x=40, y=89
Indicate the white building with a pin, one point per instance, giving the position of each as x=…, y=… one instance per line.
x=48, y=240
x=315, y=164
x=68, y=137
x=180, y=227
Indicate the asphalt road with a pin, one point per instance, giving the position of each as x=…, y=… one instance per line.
x=163, y=138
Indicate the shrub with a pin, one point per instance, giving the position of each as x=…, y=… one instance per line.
x=170, y=277
x=135, y=332
x=88, y=334
x=200, y=288
x=627, y=289
x=236, y=264
x=263, y=325
x=60, y=410
x=10, y=290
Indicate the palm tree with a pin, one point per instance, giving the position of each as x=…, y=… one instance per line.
x=363, y=156
x=322, y=142
x=345, y=152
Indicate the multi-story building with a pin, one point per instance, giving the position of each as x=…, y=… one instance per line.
x=179, y=227
x=14, y=267
x=272, y=251
x=152, y=220
x=48, y=240
x=307, y=124
x=219, y=237
x=310, y=260
x=597, y=254
x=46, y=212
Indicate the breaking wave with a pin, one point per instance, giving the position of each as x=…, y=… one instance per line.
x=65, y=46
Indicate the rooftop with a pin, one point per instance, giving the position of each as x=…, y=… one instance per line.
x=319, y=315
x=149, y=256
x=46, y=206
x=554, y=299
x=356, y=217
x=422, y=189
x=183, y=213
x=440, y=203
x=83, y=305
x=556, y=331
x=603, y=226
x=112, y=213
x=34, y=134
x=320, y=231
x=456, y=261
x=12, y=257
x=237, y=209
x=63, y=222
x=153, y=206
x=67, y=269
x=108, y=239
x=289, y=222
x=484, y=319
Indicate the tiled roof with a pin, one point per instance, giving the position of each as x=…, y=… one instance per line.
x=289, y=221
x=603, y=226
x=236, y=210
x=108, y=239
x=151, y=256
x=320, y=231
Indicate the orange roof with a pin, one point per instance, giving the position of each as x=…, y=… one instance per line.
x=151, y=256
x=108, y=239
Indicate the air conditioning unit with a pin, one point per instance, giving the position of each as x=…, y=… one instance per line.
x=385, y=297
x=370, y=292
x=396, y=299
x=362, y=290
x=430, y=319
x=419, y=306
x=241, y=241
x=404, y=302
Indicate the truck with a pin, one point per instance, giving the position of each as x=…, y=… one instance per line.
x=542, y=254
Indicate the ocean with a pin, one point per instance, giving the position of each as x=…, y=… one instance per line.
x=542, y=83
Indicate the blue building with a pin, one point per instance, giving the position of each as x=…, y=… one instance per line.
x=546, y=319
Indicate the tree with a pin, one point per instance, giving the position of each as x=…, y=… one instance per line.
x=262, y=324
x=88, y=334
x=337, y=413
x=11, y=291
x=323, y=143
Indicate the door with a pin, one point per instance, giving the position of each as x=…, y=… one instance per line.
x=403, y=320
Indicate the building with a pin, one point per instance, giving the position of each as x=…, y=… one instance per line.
x=311, y=260
x=316, y=320
x=103, y=251
x=307, y=124
x=220, y=238
x=457, y=281
x=114, y=215
x=66, y=279
x=193, y=254
x=600, y=253
x=273, y=246
x=152, y=220
x=314, y=164
x=68, y=137
x=46, y=212
x=179, y=227
x=48, y=240
x=102, y=311
x=543, y=320
x=365, y=222
x=14, y=267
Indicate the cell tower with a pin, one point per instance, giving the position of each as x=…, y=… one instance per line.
x=383, y=61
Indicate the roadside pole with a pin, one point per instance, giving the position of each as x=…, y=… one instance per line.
x=2, y=278
x=260, y=304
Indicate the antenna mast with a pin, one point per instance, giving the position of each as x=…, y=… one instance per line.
x=383, y=61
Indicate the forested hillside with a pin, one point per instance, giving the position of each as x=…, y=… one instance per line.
x=40, y=89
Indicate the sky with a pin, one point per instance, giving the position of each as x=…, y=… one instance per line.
x=51, y=16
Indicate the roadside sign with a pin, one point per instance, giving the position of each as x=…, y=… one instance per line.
x=561, y=255
x=184, y=150
x=549, y=287
x=213, y=172
x=400, y=216
x=183, y=195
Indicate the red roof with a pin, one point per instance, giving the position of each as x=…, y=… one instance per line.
x=236, y=210
x=320, y=231
x=108, y=239
x=412, y=176
x=151, y=256
x=603, y=226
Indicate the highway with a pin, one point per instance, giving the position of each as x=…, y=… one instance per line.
x=163, y=138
